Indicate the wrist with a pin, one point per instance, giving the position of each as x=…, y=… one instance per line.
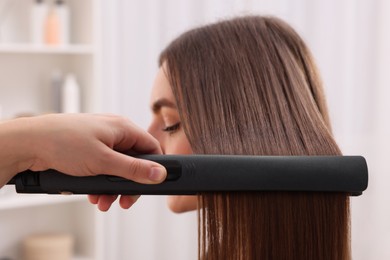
x=17, y=153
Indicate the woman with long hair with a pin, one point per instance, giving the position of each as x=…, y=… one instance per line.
x=249, y=86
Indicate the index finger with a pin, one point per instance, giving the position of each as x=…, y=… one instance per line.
x=137, y=140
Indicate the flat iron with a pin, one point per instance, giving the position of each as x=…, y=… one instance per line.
x=193, y=174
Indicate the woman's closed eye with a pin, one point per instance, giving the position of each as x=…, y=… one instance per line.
x=172, y=128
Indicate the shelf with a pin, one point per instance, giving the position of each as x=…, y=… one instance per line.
x=19, y=201
x=75, y=49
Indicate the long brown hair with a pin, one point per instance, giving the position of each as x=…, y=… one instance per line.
x=249, y=86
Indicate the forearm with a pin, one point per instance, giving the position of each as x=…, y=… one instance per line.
x=16, y=148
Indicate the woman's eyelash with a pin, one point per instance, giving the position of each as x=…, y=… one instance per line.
x=172, y=128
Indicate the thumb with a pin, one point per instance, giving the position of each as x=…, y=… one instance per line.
x=138, y=170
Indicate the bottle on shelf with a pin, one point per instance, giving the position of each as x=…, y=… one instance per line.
x=62, y=11
x=57, y=24
x=38, y=18
x=70, y=95
x=52, y=25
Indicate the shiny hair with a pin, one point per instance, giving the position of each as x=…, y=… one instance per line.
x=249, y=85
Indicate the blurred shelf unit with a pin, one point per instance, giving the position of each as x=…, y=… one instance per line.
x=29, y=63
x=27, y=71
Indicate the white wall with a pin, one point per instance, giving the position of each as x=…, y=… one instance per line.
x=349, y=40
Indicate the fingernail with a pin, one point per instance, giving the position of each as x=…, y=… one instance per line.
x=157, y=174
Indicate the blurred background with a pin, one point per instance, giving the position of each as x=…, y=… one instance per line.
x=101, y=56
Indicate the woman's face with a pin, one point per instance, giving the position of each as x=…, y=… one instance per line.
x=167, y=129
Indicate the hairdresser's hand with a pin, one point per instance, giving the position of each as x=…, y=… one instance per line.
x=85, y=145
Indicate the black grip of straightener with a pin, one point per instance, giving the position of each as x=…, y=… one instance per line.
x=193, y=174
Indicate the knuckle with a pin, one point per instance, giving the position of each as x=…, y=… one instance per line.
x=121, y=120
x=135, y=168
